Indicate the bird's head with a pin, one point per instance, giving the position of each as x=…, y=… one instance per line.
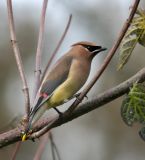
x=87, y=49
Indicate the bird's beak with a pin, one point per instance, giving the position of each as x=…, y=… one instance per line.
x=95, y=52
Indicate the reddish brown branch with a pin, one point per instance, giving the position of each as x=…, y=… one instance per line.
x=38, y=72
x=41, y=147
x=19, y=65
x=100, y=100
x=16, y=149
x=54, y=148
x=39, y=47
x=57, y=47
x=18, y=56
x=14, y=135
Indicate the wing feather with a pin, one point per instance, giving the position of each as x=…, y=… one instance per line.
x=52, y=80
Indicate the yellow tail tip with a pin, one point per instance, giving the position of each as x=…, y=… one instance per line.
x=24, y=137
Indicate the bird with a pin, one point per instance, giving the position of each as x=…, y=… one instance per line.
x=64, y=80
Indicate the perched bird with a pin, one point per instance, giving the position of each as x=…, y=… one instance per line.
x=65, y=78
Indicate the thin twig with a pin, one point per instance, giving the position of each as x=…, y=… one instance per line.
x=19, y=65
x=106, y=60
x=44, y=138
x=14, y=135
x=18, y=56
x=16, y=149
x=100, y=71
x=54, y=148
x=57, y=47
x=39, y=48
x=41, y=147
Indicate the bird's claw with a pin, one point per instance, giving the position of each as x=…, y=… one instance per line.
x=75, y=96
x=78, y=94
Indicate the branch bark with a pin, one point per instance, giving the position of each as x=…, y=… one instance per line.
x=14, y=135
x=18, y=56
x=19, y=65
x=100, y=100
x=41, y=147
x=16, y=149
x=39, y=49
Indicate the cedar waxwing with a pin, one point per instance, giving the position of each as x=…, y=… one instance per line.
x=67, y=77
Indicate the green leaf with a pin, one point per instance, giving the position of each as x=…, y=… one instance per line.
x=127, y=47
x=133, y=106
x=134, y=35
x=142, y=133
x=142, y=39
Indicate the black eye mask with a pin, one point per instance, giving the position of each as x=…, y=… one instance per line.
x=92, y=48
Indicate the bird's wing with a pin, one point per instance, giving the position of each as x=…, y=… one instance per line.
x=53, y=79
x=57, y=75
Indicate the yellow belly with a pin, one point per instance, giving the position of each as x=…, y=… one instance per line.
x=62, y=93
x=71, y=85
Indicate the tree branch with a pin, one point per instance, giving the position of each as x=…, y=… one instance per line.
x=39, y=48
x=16, y=149
x=41, y=147
x=19, y=65
x=14, y=135
x=54, y=148
x=100, y=100
x=44, y=138
x=18, y=56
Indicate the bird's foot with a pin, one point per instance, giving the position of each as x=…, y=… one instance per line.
x=78, y=94
x=75, y=96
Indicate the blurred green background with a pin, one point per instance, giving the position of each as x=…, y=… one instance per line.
x=100, y=134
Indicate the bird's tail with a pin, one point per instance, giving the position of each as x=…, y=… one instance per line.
x=34, y=116
x=28, y=128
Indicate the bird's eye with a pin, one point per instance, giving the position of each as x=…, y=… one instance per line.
x=87, y=47
x=92, y=48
